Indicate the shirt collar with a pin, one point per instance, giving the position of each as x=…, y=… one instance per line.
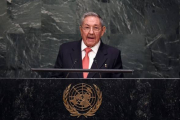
x=94, y=48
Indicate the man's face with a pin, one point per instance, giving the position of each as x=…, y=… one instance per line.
x=91, y=30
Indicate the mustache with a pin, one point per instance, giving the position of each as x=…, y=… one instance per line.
x=91, y=36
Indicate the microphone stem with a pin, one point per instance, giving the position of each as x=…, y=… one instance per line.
x=97, y=68
x=71, y=67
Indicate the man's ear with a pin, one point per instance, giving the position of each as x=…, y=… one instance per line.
x=103, y=30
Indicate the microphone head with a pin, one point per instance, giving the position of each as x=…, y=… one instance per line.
x=95, y=60
x=75, y=60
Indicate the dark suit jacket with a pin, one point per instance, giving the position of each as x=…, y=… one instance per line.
x=71, y=51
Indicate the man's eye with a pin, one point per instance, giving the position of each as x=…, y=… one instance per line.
x=96, y=28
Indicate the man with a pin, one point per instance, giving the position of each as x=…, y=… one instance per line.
x=90, y=52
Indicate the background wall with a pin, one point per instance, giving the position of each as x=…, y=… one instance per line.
x=146, y=31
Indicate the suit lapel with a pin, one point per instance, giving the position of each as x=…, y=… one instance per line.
x=76, y=55
x=101, y=58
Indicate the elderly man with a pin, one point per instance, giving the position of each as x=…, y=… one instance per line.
x=90, y=52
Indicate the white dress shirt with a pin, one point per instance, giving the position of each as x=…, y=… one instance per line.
x=91, y=54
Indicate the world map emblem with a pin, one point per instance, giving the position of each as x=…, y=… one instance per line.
x=82, y=99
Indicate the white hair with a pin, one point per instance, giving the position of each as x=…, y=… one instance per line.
x=91, y=14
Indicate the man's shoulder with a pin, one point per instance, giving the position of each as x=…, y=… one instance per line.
x=68, y=45
x=72, y=43
x=111, y=48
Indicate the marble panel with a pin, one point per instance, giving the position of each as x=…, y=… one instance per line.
x=58, y=17
x=3, y=62
x=162, y=17
x=26, y=15
x=132, y=52
x=162, y=55
x=3, y=13
x=22, y=54
x=162, y=38
x=127, y=16
x=6, y=24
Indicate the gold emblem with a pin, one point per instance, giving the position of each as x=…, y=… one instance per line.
x=82, y=99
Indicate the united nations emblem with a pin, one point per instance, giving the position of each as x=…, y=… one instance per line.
x=82, y=99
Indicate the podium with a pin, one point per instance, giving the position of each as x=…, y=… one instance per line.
x=116, y=99
x=68, y=71
x=83, y=70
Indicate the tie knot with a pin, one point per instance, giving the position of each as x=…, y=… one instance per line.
x=87, y=50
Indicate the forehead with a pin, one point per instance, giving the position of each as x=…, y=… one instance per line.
x=91, y=20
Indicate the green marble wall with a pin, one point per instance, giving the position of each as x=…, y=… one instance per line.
x=146, y=32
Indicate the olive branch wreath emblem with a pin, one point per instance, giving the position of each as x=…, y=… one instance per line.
x=73, y=110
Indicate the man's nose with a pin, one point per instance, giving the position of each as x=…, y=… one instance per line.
x=91, y=31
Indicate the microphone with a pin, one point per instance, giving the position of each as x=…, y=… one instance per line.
x=97, y=67
x=72, y=67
